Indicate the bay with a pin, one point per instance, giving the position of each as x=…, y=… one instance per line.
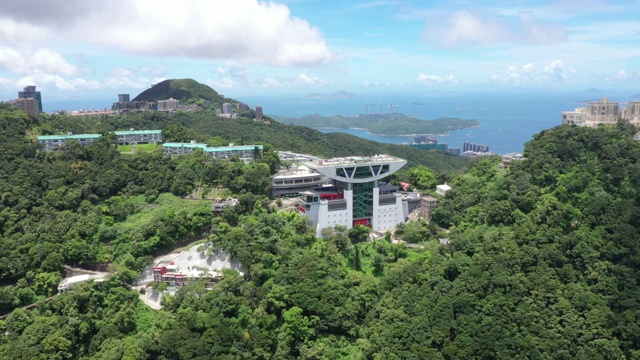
x=507, y=120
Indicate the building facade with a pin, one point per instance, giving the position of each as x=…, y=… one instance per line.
x=170, y=273
x=427, y=204
x=138, y=137
x=124, y=98
x=355, y=198
x=604, y=111
x=53, y=142
x=29, y=92
x=27, y=104
x=478, y=148
x=259, y=112
x=227, y=108
x=244, y=152
x=298, y=180
x=168, y=105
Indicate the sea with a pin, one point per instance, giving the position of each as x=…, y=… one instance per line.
x=507, y=120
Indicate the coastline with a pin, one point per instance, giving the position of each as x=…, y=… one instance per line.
x=369, y=132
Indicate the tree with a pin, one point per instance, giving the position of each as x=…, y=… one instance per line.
x=422, y=177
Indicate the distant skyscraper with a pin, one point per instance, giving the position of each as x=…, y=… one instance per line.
x=480, y=148
x=259, y=112
x=29, y=92
x=227, y=108
x=123, y=98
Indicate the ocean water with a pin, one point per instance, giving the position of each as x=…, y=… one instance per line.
x=507, y=120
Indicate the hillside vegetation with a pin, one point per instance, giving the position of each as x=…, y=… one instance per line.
x=201, y=126
x=382, y=124
x=543, y=263
x=188, y=91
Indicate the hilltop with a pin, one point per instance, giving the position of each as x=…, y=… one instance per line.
x=188, y=91
x=382, y=124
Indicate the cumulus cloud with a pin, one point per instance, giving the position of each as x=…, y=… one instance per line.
x=304, y=79
x=464, y=28
x=623, y=75
x=435, y=79
x=22, y=61
x=528, y=73
x=245, y=30
x=127, y=78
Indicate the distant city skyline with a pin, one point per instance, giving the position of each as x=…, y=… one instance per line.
x=77, y=49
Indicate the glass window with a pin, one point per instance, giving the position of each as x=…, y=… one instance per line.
x=349, y=171
x=362, y=172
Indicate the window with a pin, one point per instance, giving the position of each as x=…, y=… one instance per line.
x=362, y=172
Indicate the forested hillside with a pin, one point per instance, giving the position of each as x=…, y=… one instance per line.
x=543, y=263
x=188, y=91
x=186, y=126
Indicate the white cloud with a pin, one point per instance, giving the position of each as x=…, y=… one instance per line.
x=248, y=31
x=304, y=79
x=529, y=74
x=463, y=28
x=271, y=82
x=623, y=75
x=224, y=83
x=23, y=61
x=435, y=79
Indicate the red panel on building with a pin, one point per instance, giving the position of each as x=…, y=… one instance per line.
x=365, y=222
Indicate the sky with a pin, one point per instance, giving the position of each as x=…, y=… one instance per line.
x=82, y=49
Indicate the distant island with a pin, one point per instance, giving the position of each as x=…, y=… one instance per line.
x=382, y=124
x=335, y=95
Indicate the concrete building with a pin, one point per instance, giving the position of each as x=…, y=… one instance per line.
x=632, y=112
x=604, y=111
x=427, y=204
x=355, y=198
x=295, y=157
x=138, y=137
x=221, y=204
x=53, y=142
x=443, y=189
x=259, y=112
x=227, y=109
x=168, y=105
x=127, y=106
x=510, y=158
x=244, y=152
x=29, y=92
x=27, y=104
x=124, y=98
x=288, y=182
x=477, y=148
x=170, y=273
x=181, y=148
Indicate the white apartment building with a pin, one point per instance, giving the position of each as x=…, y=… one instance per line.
x=602, y=112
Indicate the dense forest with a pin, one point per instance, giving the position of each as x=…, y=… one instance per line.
x=382, y=124
x=543, y=260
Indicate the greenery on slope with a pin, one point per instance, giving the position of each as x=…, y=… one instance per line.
x=90, y=205
x=543, y=264
x=188, y=91
x=201, y=126
x=385, y=124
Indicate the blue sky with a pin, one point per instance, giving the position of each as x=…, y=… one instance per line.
x=77, y=49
